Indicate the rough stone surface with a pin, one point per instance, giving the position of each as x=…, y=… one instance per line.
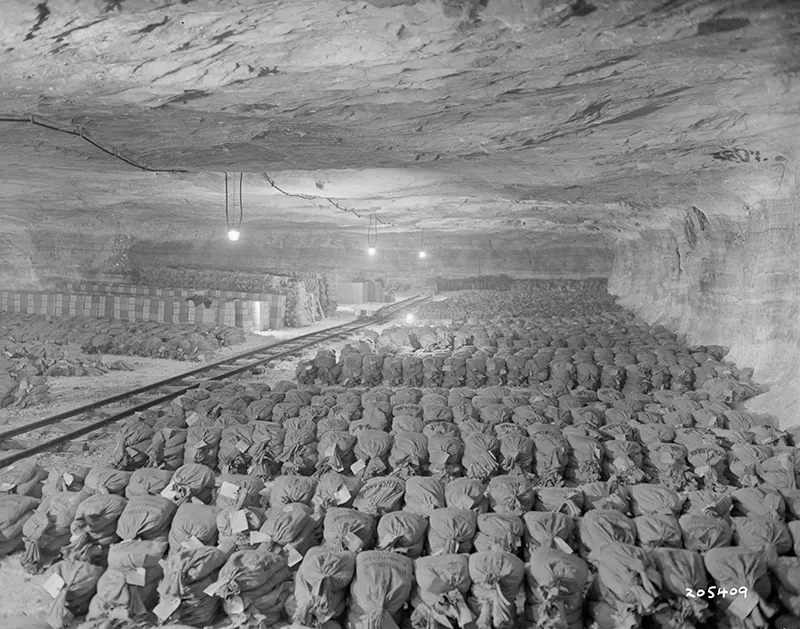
x=525, y=136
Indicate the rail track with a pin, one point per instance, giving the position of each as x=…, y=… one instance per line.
x=166, y=390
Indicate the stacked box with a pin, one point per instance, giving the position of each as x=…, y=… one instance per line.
x=262, y=314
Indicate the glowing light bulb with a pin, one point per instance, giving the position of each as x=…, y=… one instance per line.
x=422, y=255
x=371, y=251
x=409, y=318
x=233, y=234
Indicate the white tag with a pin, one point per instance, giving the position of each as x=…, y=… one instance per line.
x=742, y=606
x=229, y=490
x=621, y=463
x=169, y=492
x=330, y=451
x=342, y=495
x=293, y=556
x=386, y=540
x=6, y=487
x=192, y=419
x=132, y=452
x=215, y=587
x=68, y=479
x=200, y=445
x=257, y=537
x=54, y=585
x=136, y=577
x=243, y=446
x=562, y=545
x=197, y=501
x=358, y=466
x=192, y=543
x=464, y=502
x=238, y=521
x=166, y=607
x=354, y=543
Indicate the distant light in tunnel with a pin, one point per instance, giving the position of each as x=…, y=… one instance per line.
x=233, y=234
x=409, y=318
x=372, y=251
x=422, y=255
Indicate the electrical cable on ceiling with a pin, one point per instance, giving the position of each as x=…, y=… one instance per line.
x=311, y=197
x=81, y=133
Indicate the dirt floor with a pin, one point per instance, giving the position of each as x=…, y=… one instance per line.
x=21, y=593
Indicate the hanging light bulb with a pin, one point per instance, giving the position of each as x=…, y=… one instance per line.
x=233, y=231
x=372, y=235
x=422, y=255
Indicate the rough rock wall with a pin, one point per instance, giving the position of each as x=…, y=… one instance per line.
x=721, y=277
x=447, y=256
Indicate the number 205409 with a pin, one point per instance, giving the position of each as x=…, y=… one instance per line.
x=713, y=592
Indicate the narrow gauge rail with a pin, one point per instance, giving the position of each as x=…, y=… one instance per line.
x=191, y=380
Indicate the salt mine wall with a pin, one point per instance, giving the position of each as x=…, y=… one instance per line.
x=723, y=278
x=33, y=259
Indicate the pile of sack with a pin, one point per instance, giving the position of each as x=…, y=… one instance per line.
x=185, y=341
x=154, y=545
x=593, y=356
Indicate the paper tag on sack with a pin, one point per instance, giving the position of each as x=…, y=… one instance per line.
x=132, y=452
x=136, y=577
x=68, y=479
x=169, y=492
x=234, y=606
x=464, y=502
x=354, y=543
x=242, y=446
x=386, y=541
x=200, y=445
x=702, y=470
x=197, y=501
x=743, y=606
x=292, y=556
x=257, y=537
x=619, y=437
x=54, y=585
x=465, y=615
x=192, y=543
x=215, y=587
x=562, y=545
x=229, y=490
x=330, y=451
x=238, y=521
x=358, y=466
x=166, y=607
x=192, y=419
x=379, y=465
x=342, y=495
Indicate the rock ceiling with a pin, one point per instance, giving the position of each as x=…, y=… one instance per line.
x=591, y=118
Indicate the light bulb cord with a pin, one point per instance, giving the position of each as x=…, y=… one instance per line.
x=232, y=202
x=372, y=231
